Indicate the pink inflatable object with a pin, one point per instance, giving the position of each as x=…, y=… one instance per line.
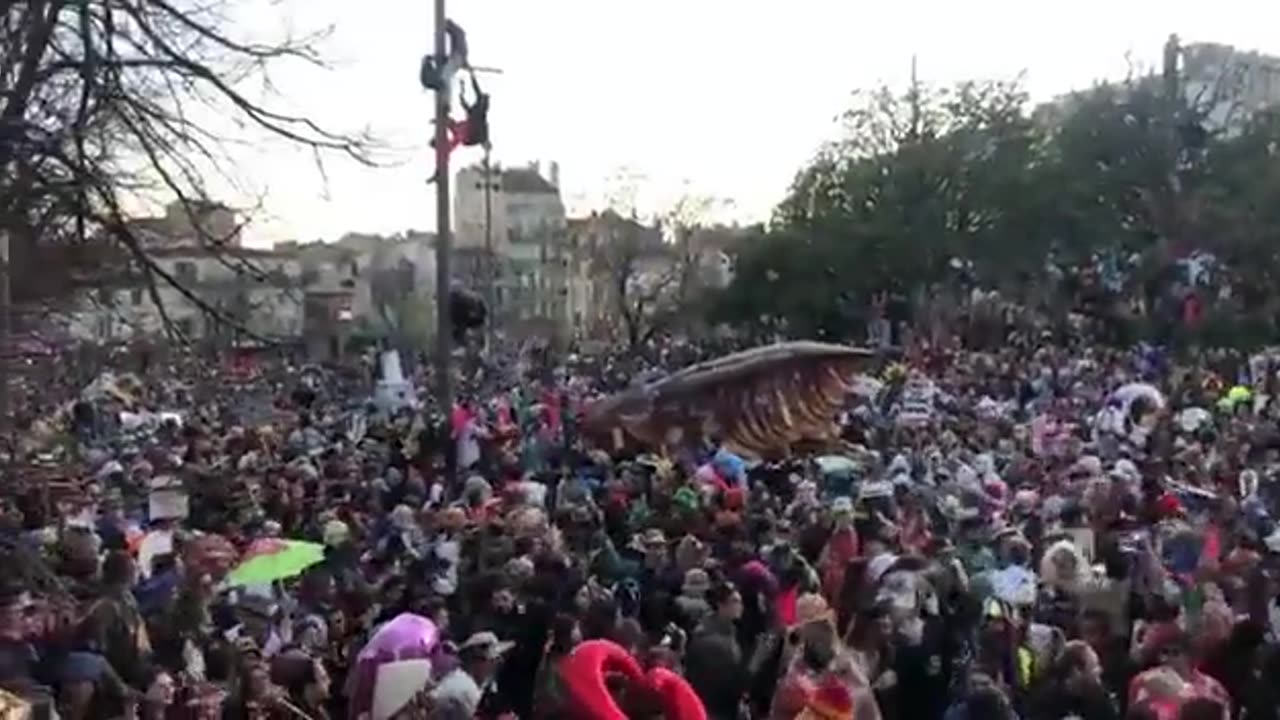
x=405, y=637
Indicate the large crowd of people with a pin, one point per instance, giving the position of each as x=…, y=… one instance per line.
x=1048, y=530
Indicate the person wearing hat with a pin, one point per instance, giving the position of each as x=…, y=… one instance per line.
x=342, y=557
x=458, y=695
x=692, y=603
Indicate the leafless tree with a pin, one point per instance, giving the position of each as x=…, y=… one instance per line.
x=680, y=222
x=652, y=268
x=642, y=279
x=399, y=305
x=102, y=108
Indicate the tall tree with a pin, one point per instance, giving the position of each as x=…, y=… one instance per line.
x=641, y=274
x=962, y=185
x=650, y=266
x=101, y=114
x=918, y=180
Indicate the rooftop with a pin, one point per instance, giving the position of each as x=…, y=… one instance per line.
x=368, y=242
x=188, y=250
x=719, y=237
x=149, y=224
x=527, y=181
x=613, y=223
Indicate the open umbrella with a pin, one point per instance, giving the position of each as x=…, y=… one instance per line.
x=269, y=559
x=835, y=464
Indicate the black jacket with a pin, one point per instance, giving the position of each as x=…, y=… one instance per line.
x=715, y=668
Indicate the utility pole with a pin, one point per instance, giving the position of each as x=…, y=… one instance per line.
x=444, y=241
x=490, y=256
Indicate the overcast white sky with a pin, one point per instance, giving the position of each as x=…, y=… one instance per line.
x=730, y=97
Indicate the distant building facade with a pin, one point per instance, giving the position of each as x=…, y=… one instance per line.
x=712, y=250
x=1232, y=84
x=510, y=230
x=384, y=284
x=226, y=291
x=550, y=274
x=1227, y=84
x=608, y=246
x=232, y=295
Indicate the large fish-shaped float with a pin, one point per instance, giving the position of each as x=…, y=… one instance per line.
x=758, y=403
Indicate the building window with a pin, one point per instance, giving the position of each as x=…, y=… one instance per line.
x=186, y=326
x=135, y=296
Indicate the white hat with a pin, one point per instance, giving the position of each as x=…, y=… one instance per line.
x=879, y=565
x=1088, y=464
x=336, y=533
x=111, y=468
x=486, y=643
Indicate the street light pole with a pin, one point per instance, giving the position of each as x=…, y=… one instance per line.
x=444, y=242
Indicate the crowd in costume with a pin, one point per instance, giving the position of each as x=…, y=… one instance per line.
x=1049, y=530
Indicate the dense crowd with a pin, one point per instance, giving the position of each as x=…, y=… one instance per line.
x=1049, y=530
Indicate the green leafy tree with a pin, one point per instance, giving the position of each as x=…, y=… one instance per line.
x=1240, y=212
x=931, y=190
x=919, y=179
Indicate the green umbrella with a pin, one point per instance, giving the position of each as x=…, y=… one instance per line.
x=836, y=464
x=269, y=560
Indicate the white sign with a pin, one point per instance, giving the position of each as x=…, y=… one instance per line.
x=168, y=504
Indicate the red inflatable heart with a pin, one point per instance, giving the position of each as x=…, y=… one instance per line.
x=584, y=675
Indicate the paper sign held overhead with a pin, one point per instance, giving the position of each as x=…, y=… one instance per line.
x=168, y=504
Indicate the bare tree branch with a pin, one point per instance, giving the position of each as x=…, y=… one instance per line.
x=94, y=118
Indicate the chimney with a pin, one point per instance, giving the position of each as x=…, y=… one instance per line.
x=555, y=174
x=536, y=167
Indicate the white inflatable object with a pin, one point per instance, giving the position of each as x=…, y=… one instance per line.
x=398, y=683
x=393, y=391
